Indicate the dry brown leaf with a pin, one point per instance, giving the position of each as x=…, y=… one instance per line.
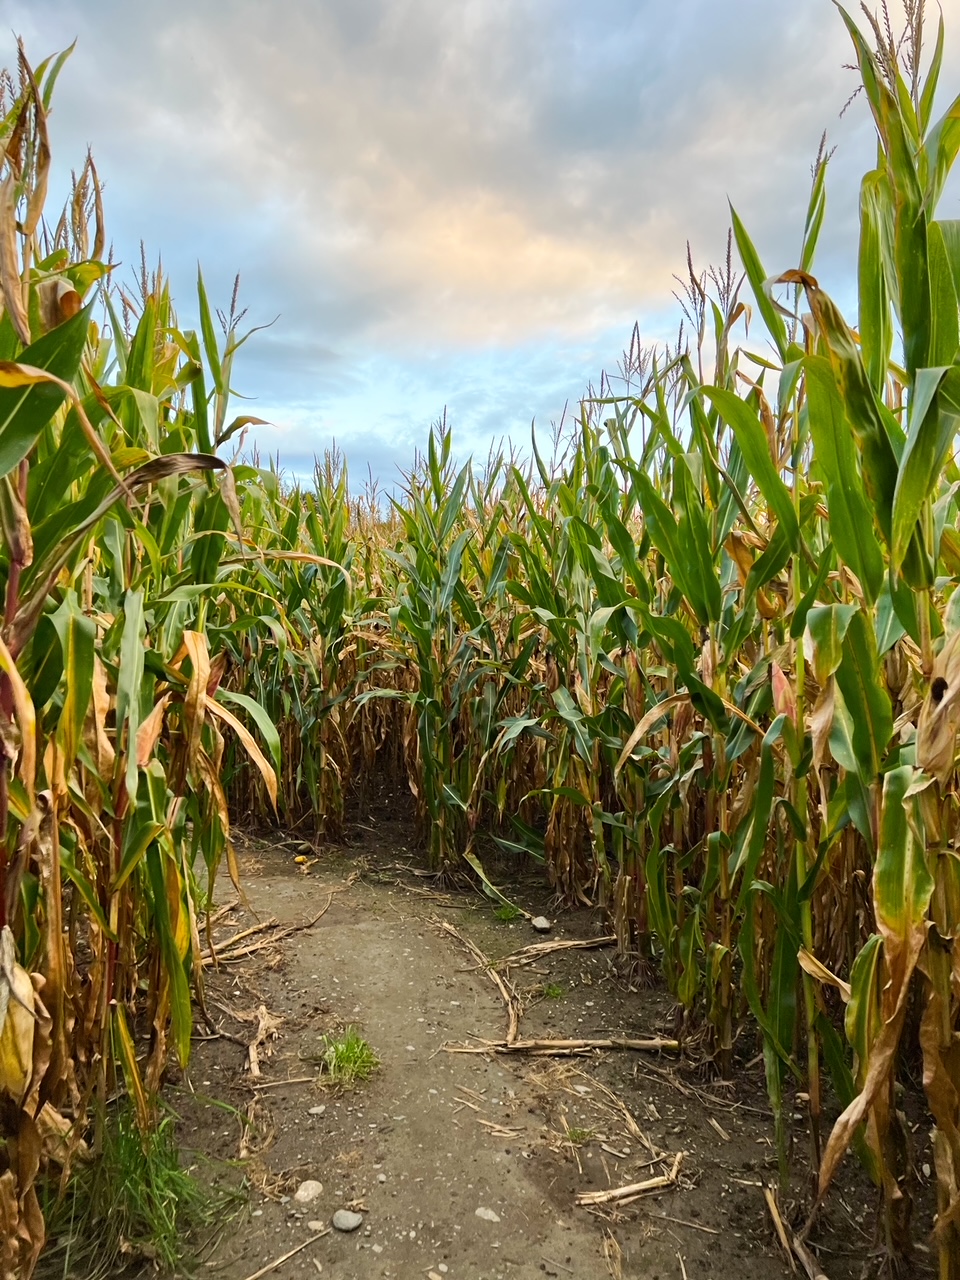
x=810, y=964
x=940, y=714
x=820, y=722
x=10, y=283
x=149, y=732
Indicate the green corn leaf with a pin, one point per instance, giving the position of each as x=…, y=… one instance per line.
x=201, y=414
x=758, y=278
x=753, y=992
x=823, y=641
x=77, y=635
x=161, y=867
x=889, y=629
x=878, y=287
x=571, y=714
x=137, y=409
x=25, y=411
x=895, y=125
x=489, y=888
x=863, y=1019
x=694, y=538
x=48, y=72
x=451, y=572
x=262, y=720
x=934, y=420
x=774, y=558
x=949, y=232
x=929, y=90
x=860, y=679
x=674, y=639
x=745, y=861
x=812, y=594
x=137, y=840
x=816, y=208
x=211, y=350
x=140, y=357
x=73, y=524
x=690, y=945
x=943, y=144
x=43, y=668
x=851, y=796
x=785, y=969
x=944, y=319
x=453, y=505
x=860, y=412
x=902, y=883
x=68, y=866
x=752, y=439
x=127, y=1054
x=129, y=681
x=665, y=535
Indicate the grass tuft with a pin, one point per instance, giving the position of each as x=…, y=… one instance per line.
x=579, y=1136
x=348, y=1057
x=135, y=1203
x=507, y=912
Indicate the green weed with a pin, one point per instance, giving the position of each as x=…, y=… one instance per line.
x=135, y=1203
x=579, y=1136
x=348, y=1057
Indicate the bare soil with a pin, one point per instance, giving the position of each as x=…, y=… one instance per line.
x=435, y=1136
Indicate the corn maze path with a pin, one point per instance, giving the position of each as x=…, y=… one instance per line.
x=465, y=1166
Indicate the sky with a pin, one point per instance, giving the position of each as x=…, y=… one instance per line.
x=459, y=205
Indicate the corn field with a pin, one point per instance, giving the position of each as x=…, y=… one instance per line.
x=701, y=660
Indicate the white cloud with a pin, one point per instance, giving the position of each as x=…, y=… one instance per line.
x=416, y=186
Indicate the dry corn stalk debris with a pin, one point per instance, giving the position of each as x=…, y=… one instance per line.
x=537, y=950
x=507, y=993
x=612, y=1255
x=634, y=1190
x=231, y=950
x=791, y=1243
x=285, y=1257
x=268, y=1028
x=599, y=1096
x=499, y=1130
x=565, y=1048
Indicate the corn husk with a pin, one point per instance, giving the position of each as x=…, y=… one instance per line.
x=17, y=1021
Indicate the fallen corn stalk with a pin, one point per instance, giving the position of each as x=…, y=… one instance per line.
x=564, y=1048
x=623, y=1195
x=232, y=952
x=792, y=1244
x=537, y=950
x=507, y=994
x=285, y=1257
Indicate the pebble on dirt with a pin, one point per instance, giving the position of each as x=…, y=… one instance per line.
x=541, y=924
x=488, y=1215
x=308, y=1191
x=347, y=1220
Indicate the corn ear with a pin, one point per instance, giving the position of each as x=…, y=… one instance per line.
x=17, y=1021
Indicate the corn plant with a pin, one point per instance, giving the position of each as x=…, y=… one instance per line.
x=113, y=819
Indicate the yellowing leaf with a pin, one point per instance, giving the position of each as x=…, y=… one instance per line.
x=249, y=745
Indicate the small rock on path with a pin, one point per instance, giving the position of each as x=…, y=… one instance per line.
x=347, y=1220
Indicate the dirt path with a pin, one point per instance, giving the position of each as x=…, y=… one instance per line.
x=435, y=1137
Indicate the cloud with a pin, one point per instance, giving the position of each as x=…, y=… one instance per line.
x=415, y=186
